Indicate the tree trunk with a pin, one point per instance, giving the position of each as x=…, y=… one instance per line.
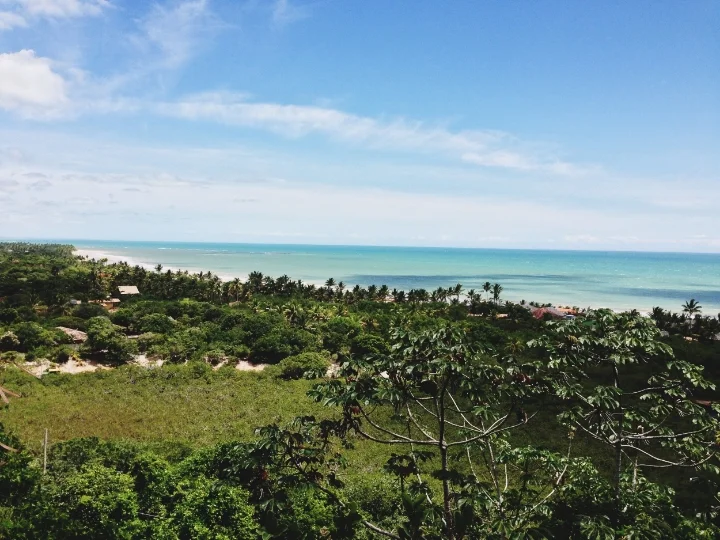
x=618, y=456
x=447, y=510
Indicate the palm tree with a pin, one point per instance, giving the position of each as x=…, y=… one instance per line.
x=657, y=315
x=372, y=292
x=383, y=293
x=496, y=290
x=255, y=280
x=487, y=286
x=234, y=288
x=457, y=290
x=691, y=307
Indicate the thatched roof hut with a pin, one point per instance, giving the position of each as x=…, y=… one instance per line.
x=77, y=336
x=553, y=312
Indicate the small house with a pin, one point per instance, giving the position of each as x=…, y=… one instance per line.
x=107, y=303
x=128, y=290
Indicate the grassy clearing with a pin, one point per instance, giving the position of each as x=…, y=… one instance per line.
x=171, y=409
x=189, y=405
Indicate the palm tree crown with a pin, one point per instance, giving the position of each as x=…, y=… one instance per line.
x=691, y=307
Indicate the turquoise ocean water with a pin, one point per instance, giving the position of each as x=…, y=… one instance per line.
x=618, y=280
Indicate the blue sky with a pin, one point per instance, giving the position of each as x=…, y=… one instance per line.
x=546, y=124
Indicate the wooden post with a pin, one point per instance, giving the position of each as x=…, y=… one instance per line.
x=45, y=452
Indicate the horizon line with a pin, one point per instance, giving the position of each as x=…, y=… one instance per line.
x=390, y=246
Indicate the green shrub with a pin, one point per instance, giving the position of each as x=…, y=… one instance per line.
x=311, y=363
x=104, y=338
x=17, y=473
x=339, y=332
x=70, y=322
x=32, y=335
x=215, y=356
x=62, y=354
x=11, y=356
x=97, y=502
x=282, y=342
x=88, y=311
x=8, y=315
x=9, y=341
x=238, y=351
x=376, y=496
x=209, y=510
x=365, y=344
x=156, y=323
x=147, y=341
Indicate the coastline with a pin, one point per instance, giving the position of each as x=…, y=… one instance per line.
x=111, y=258
x=132, y=261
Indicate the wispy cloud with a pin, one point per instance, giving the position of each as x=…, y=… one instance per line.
x=513, y=160
x=20, y=11
x=284, y=13
x=174, y=31
x=9, y=20
x=480, y=147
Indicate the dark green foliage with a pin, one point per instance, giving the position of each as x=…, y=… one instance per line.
x=339, y=333
x=95, y=502
x=156, y=323
x=18, y=475
x=32, y=335
x=70, y=322
x=282, y=342
x=203, y=508
x=310, y=364
x=365, y=344
x=106, y=340
x=88, y=311
x=9, y=341
x=8, y=315
x=62, y=354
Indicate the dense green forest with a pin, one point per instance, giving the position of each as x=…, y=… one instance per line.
x=377, y=413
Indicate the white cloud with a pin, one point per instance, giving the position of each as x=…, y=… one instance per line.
x=63, y=8
x=9, y=20
x=174, y=31
x=513, y=160
x=29, y=85
x=500, y=159
x=484, y=148
x=22, y=10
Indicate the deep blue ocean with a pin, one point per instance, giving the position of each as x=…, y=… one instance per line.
x=618, y=280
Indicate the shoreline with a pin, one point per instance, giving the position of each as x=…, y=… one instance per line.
x=116, y=258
